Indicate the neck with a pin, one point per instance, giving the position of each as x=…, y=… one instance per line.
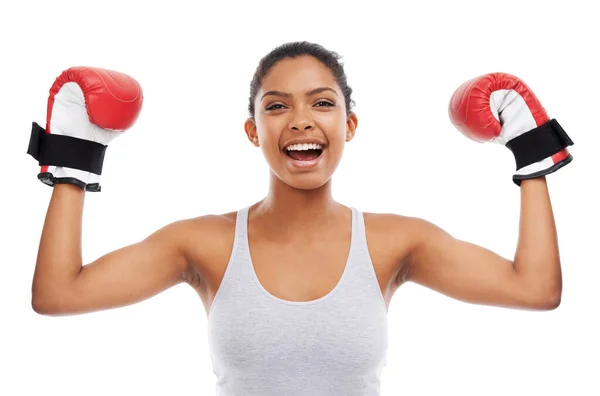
x=288, y=208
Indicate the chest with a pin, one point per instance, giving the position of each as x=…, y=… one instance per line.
x=300, y=270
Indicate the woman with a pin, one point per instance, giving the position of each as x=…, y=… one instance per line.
x=296, y=286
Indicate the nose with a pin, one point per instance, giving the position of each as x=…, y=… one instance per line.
x=300, y=128
x=301, y=122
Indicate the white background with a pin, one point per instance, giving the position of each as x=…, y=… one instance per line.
x=188, y=156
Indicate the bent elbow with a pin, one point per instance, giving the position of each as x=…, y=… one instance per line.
x=46, y=306
x=39, y=306
x=548, y=302
x=554, y=301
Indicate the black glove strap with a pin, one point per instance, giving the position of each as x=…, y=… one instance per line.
x=67, y=151
x=49, y=179
x=539, y=143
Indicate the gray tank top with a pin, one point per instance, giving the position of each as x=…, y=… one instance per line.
x=261, y=345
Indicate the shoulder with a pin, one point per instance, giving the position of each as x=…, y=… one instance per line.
x=210, y=223
x=203, y=240
x=207, y=231
x=397, y=236
x=392, y=226
x=207, y=226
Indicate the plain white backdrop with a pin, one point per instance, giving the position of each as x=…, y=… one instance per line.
x=187, y=156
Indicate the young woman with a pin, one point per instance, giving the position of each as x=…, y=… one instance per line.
x=296, y=286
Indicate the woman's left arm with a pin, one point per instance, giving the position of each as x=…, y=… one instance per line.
x=477, y=275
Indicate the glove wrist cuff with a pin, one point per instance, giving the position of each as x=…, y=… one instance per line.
x=66, y=151
x=518, y=177
x=49, y=179
x=540, y=151
x=539, y=143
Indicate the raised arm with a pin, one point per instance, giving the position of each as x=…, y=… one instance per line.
x=502, y=109
x=474, y=274
x=87, y=108
x=63, y=286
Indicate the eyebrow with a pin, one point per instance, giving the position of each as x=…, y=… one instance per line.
x=287, y=95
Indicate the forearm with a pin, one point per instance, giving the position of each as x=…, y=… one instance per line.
x=537, y=259
x=59, y=257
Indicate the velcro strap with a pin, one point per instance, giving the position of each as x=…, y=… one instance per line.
x=67, y=151
x=539, y=143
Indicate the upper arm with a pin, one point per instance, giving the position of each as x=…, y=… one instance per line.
x=127, y=275
x=463, y=270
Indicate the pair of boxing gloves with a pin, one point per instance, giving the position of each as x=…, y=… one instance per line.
x=88, y=107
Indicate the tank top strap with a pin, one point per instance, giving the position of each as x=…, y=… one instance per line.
x=241, y=225
x=359, y=233
x=240, y=255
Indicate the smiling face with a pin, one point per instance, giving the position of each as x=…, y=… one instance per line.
x=300, y=122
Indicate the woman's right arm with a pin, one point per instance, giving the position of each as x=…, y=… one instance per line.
x=63, y=286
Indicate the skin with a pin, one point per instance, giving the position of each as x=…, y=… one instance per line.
x=300, y=224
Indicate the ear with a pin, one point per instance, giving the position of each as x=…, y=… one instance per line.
x=250, y=128
x=351, y=125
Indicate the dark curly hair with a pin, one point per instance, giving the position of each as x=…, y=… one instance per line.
x=294, y=50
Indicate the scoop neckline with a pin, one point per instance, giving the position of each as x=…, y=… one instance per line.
x=310, y=302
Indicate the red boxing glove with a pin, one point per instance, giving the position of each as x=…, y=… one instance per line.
x=87, y=108
x=500, y=108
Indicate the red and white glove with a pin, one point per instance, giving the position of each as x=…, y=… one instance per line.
x=87, y=108
x=500, y=108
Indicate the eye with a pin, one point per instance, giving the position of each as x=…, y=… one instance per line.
x=324, y=103
x=275, y=106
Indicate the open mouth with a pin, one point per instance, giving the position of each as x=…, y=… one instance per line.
x=305, y=155
x=304, y=152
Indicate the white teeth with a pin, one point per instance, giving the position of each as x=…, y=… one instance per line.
x=304, y=146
